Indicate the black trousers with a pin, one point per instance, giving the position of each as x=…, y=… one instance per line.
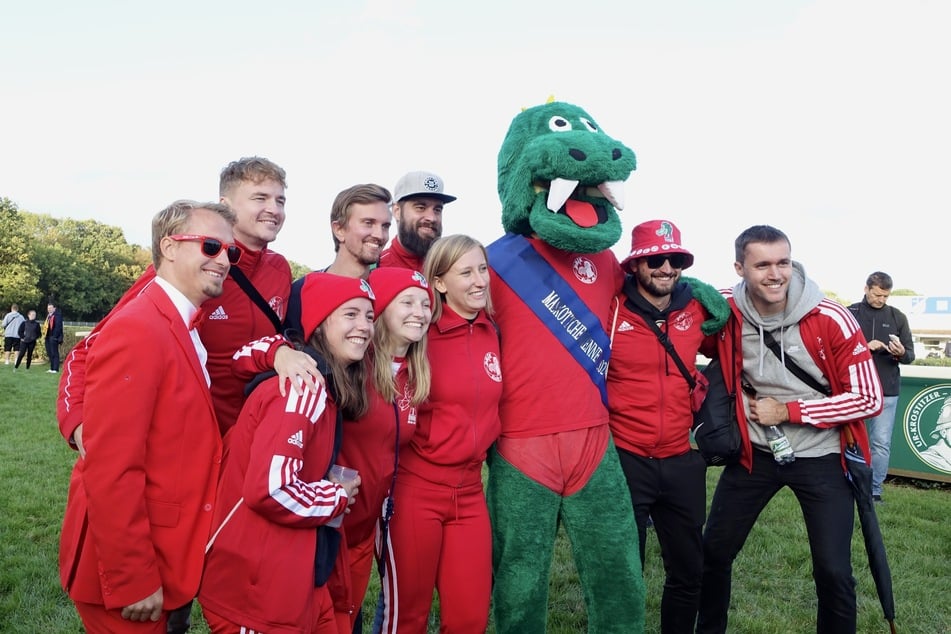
x=52, y=352
x=27, y=349
x=672, y=492
x=827, y=507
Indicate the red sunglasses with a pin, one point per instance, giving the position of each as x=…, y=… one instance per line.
x=211, y=247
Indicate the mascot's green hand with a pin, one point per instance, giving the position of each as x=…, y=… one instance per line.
x=711, y=299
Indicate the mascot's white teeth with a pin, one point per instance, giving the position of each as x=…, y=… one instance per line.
x=559, y=191
x=614, y=192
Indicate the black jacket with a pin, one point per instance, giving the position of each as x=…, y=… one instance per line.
x=878, y=323
x=29, y=331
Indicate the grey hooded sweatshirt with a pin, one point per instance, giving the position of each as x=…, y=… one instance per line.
x=767, y=373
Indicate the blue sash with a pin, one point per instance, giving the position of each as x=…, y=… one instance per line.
x=555, y=304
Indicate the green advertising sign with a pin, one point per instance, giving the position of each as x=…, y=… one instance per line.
x=921, y=440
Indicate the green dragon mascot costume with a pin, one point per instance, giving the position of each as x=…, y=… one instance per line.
x=560, y=178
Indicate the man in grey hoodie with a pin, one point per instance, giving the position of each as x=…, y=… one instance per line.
x=776, y=305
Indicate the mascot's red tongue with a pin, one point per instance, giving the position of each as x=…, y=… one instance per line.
x=582, y=213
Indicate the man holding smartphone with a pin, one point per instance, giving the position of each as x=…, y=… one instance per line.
x=889, y=339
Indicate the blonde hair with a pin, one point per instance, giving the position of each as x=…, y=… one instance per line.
x=254, y=169
x=417, y=363
x=174, y=219
x=442, y=255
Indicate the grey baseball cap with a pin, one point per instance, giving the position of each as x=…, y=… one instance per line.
x=420, y=184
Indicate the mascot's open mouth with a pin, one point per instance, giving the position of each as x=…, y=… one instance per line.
x=586, y=205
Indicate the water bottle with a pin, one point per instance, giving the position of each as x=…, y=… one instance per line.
x=779, y=444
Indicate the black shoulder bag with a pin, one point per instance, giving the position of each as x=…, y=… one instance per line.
x=255, y=296
x=715, y=427
x=328, y=537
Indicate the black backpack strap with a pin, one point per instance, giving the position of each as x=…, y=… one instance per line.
x=669, y=347
x=793, y=367
x=246, y=285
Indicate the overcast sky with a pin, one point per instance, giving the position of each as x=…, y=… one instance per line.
x=827, y=119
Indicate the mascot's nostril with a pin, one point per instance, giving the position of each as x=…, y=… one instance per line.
x=577, y=155
x=615, y=154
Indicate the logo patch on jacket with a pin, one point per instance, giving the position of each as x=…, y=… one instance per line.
x=492, y=366
x=585, y=270
x=297, y=439
x=683, y=321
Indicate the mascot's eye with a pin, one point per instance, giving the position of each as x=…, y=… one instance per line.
x=591, y=127
x=559, y=124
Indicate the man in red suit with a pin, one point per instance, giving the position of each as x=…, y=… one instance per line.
x=141, y=497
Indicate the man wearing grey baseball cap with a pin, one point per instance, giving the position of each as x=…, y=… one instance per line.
x=418, y=201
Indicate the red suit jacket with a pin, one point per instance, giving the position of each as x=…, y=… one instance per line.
x=141, y=503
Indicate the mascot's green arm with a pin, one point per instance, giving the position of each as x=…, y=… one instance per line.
x=712, y=300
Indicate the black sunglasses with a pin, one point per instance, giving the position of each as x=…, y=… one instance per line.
x=211, y=247
x=677, y=260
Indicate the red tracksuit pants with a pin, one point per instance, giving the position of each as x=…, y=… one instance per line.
x=439, y=538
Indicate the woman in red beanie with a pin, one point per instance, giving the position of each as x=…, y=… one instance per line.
x=398, y=382
x=440, y=535
x=267, y=561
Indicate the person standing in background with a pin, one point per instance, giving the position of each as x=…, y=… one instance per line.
x=29, y=333
x=53, y=337
x=890, y=341
x=11, y=329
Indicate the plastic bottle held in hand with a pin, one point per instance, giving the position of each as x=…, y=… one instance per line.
x=779, y=444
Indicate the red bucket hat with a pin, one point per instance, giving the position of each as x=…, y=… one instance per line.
x=655, y=237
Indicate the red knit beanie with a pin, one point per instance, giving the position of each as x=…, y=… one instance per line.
x=390, y=281
x=322, y=293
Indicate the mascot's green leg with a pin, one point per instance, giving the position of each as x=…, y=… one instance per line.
x=524, y=522
x=600, y=524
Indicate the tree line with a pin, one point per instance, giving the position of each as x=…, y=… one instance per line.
x=82, y=266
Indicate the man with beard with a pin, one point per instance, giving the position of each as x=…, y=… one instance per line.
x=649, y=400
x=360, y=226
x=418, y=203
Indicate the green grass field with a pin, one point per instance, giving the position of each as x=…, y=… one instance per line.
x=772, y=590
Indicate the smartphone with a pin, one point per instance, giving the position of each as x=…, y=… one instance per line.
x=894, y=338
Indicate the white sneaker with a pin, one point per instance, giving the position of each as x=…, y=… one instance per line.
x=51, y=371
